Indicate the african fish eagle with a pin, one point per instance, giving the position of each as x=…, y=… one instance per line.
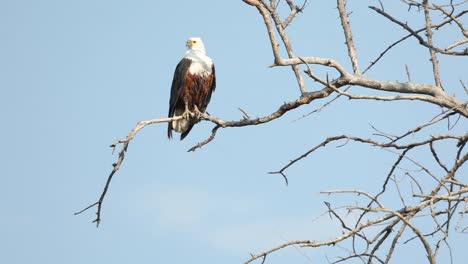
x=194, y=81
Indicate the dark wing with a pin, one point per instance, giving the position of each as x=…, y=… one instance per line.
x=177, y=83
x=176, y=89
x=208, y=85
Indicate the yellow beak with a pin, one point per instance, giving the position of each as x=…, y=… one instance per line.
x=189, y=43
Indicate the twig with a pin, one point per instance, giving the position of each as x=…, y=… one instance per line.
x=408, y=73
x=358, y=192
x=348, y=35
x=434, y=60
x=206, y=141
x=413, y=33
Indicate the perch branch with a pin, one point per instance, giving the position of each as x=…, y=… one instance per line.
x=116, y=166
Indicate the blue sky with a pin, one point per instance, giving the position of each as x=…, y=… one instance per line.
x=76, y=75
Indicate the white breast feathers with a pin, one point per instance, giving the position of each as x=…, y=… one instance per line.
x=201, y=64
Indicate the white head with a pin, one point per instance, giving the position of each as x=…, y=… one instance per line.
x=195, y=44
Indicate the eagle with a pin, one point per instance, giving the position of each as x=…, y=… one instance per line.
x=194, y=81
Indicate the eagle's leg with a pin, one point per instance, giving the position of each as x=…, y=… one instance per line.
x=186, y=114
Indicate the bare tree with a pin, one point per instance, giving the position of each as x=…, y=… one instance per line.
x=377, y=230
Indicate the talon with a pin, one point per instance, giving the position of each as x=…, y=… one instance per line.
x=186, y=114
x=198, y=113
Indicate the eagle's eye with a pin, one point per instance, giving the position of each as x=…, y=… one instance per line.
x=194, y=41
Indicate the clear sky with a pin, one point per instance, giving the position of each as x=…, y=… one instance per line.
x=76, y=75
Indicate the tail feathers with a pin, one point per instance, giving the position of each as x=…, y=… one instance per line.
x=184, y=134
x=181, y=126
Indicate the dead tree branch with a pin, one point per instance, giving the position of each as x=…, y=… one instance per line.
x=348, y=35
